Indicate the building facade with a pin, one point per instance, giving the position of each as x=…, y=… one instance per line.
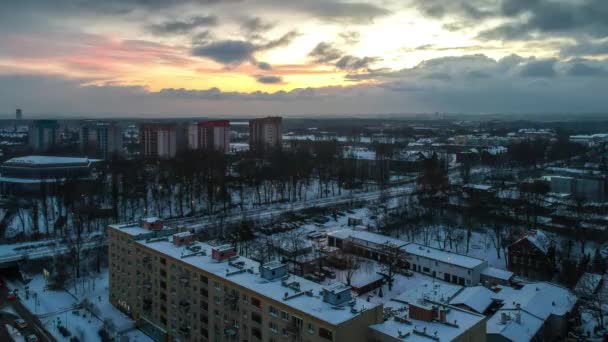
x=162, y=141
x=265, y=134
x=532, y=256
x=102, y=139
x=176, y=288
x=43, y=134
x=210, y=135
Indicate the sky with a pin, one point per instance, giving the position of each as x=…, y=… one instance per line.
x=296, y=58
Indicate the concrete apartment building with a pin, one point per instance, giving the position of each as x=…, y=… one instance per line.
x=210, y=135
x=101, y=139
x=180, y=289
x=265, y=134
x=162, y=141
x=43, y=134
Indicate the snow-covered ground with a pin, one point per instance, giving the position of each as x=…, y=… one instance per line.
x=67, y=307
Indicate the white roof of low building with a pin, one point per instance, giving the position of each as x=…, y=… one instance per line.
x=443, y=256
x=497, y=273
x=374, y=238
x=47, y=160
x=512, y=329
x=540, y=299
x=465, y=320
x=477, y=298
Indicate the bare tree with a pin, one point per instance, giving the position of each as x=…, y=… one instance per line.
x=353, y=265
x=392, y=260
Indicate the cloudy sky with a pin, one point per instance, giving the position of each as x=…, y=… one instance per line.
x=246, y=57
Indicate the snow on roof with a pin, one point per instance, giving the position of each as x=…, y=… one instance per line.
x=465, y=320
x=497, y=273
x=47, y=160
x=477, y=298
x=366, y=236
x=540, y=299
x=481, y=187
x=151, y=219
x=523, y=330
x=308, y=300
x=411, y=248
x=538, y=239
x=443, y=256
x=433, y=290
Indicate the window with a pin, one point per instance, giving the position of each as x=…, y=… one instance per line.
x=310, y=328
x=204, y=292
x=204, y=279
x=256, y=317
x=256, y=302
x=217, y=299
x=284, y=316
x=217, y=286
x=273, y=327
x=326, y=334
x=273, y=311
x=426, y=270
x=245, y=298
x=255, y=332
x=163, y=261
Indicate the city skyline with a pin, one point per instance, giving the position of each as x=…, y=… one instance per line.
x=238, y=58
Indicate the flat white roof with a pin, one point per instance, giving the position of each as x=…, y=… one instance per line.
x=374, y=238
x=465, y=320
x=540, y=299
x=497, y=273
x=443, y=256
x=312, y=304
x=48, y=160
x=477, y=298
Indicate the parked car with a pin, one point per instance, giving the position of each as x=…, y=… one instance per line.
x=32, y=338
x=11, y=296
x=20, y=323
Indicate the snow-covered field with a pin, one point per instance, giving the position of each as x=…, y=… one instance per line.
x=66, y=307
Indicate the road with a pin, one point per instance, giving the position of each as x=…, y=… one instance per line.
x=34, y=326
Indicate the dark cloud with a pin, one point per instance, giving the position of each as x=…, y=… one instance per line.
x=333, y=10
x=232, y=52
x=586, y=48
x=235, y=52
x=184, y=26
x=256, y=25
x=264, y=66
x=325, y=53
x=539, y=68
x=584, y=68
x=269, y=79
x=352, y=63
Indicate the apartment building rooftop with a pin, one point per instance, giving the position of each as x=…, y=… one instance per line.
x=293, y=291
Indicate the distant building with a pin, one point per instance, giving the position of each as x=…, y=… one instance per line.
x=43, y=134
x=531, y=256
x=102, y=139
x=162, y=141
x=585, y=187
x=265, y=134
x=209, y=135
x=30, y=174
x=18, y=114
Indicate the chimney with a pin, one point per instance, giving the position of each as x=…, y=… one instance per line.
x=503, y=318
x=223, y=252
x=152, y=223
x=183, y=239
